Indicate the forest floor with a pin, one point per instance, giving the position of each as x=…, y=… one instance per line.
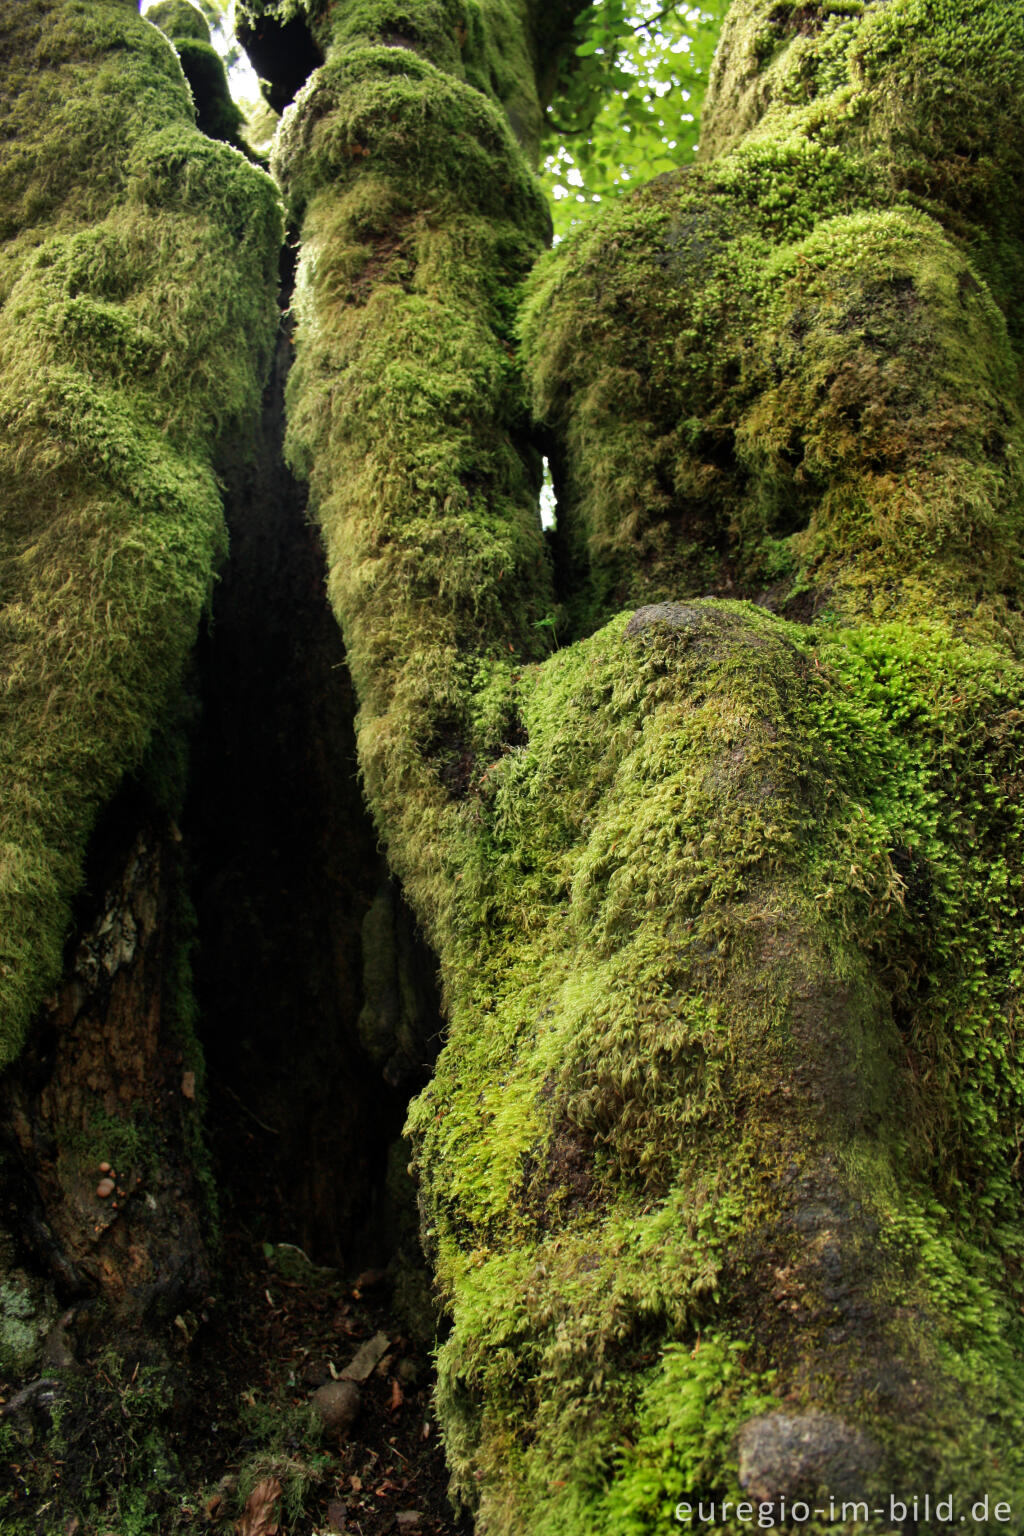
x=243, y=1452
x=271, y=1342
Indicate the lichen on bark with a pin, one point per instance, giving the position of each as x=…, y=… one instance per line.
x=719, y=1159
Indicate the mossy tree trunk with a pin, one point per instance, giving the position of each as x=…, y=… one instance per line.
x=138, y=272
x=720, y=1162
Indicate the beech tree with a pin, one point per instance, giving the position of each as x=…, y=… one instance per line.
x=708, y=804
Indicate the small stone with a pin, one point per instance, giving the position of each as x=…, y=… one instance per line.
x=336, y=1404
x=407, y=1371
x=408, y=1519
x=800, y=1455
x=105, y=1188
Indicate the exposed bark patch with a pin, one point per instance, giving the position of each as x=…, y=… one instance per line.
x=565, y=1180
x=457, y=770
x=386, y=265
x=107, y=1078
x=797, y=20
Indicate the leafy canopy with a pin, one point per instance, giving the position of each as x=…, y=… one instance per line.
x=628, y=100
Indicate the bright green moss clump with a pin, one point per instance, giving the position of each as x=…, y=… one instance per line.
x=137, y=280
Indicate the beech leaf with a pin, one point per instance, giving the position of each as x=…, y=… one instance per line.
x=259, y=1517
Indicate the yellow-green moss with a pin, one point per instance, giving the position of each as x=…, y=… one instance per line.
x=420, y=220
x=137, y=279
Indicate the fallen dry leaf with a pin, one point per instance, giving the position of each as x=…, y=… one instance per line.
x=337, y=1515
x=258, y=1518
x=397, y=1397
x=365, y=1359
x=188, y=1084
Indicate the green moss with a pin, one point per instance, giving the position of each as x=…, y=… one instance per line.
x=683, y=979
x=138, y=276
x=27, y=1313
x=727, y=907
x=125, y=1140
x=179, y=19
x=284, y=1440
x=420, y=220
x=110, y=1441
x=689, y=1408
x=921, y=725
x=387, y=112
x=488, y=45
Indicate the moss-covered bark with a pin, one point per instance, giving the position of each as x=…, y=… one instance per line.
x=720, y=1162
x=793, y=373
x=137, y=278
